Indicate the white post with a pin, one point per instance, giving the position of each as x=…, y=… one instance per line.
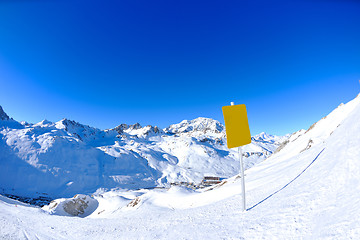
x=242, y=176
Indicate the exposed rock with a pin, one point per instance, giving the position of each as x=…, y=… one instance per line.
x=134, y=202
x=282, y=145
x=79, y=205
x=3, y=115
x=135, y=126
x=121, y=128
x=309, y=145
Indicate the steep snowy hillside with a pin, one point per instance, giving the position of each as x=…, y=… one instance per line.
x=319, y=131
x=65, y=158
x=301, y=192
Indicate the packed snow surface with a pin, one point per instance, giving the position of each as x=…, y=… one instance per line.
x=309, y=189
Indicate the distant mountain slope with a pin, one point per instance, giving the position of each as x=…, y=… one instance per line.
x=66, y=157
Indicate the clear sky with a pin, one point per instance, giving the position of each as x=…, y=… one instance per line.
x=103, y=63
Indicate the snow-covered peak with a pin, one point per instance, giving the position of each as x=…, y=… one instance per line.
x=264, y=137
x=79, y=130
x=143, y=132
x=25, y=123
x=8, y=122
x=122, y=127
x=151, y=129
x=137, y=130
x=43, y=123
x=3, y=115
x=66, y=123
x=201, y=124
x=135, y=126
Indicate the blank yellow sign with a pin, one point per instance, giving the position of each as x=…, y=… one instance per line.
x=237, y=125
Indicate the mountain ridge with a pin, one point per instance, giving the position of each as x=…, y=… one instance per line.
x=75, y=158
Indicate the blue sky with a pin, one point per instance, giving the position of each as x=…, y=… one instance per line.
x=103, y=63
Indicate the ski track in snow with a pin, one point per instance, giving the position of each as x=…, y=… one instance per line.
x=286, y=184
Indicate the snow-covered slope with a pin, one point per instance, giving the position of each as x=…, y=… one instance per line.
x=65, y=158
x=319, y=131
x=300, y=192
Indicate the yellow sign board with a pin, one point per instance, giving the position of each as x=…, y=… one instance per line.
x=237, y=125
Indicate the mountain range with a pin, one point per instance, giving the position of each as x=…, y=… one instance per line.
x=60, y=159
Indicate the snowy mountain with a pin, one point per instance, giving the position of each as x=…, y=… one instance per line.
x=199, y=125
x=308, y=189
x=60, y=159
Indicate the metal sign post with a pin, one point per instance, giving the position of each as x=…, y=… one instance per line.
x=238, y=134
x=242, y=179
x=242, y=175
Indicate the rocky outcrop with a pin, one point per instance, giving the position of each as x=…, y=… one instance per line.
x=80, y=205
x=3, y=115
